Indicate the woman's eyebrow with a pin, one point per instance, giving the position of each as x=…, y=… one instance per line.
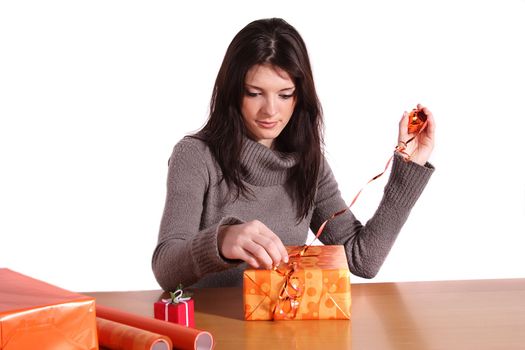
x=258, y=88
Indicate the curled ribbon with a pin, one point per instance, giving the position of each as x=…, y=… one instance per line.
x=290, y=294
x=292, y=288
x=176, y=298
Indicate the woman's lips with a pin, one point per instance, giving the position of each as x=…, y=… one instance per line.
x=266, y=124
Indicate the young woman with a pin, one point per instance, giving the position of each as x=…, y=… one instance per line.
x=254, y=179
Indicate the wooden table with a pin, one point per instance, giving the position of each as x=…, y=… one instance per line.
x=477, y=314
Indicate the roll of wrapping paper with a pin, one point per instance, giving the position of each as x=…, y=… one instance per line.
x=118, y=336
x=182, y=337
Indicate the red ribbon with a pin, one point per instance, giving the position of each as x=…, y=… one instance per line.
x=417, y=123
x=290, y=295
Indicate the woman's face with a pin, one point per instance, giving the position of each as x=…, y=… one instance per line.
x=268, y=102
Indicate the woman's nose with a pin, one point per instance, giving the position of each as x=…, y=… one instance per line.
x=270, y=106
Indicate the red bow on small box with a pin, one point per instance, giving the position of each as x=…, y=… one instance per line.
x=178, y=308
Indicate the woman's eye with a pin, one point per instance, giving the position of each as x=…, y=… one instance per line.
x=286, y=96
x=252, y=94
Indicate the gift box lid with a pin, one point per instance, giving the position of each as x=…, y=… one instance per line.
x=326, y=257
x=38, y=315
x=19, y=292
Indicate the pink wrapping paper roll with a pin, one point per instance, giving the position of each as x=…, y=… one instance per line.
x=117, y=336
x=181, y=336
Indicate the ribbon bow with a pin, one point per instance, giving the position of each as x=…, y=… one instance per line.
x=177, y=297
x=290, y=294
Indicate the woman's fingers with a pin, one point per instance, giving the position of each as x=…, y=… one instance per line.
x=253, y=243
x=430, y=123
x=248, y=258
x=269, y=249
x=422, y=145
x=272, y=244
x=260, y=254
x=403, y=128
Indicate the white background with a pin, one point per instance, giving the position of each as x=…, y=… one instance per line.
x=94, y=94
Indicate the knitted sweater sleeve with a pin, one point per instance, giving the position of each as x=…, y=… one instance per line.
x=367, y=246
x=185, y=252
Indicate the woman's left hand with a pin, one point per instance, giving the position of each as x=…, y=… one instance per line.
x=420, y=148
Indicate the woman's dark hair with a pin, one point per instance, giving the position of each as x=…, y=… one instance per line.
x=275, y=42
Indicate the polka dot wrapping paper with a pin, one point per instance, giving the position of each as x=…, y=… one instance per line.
x=312, y=286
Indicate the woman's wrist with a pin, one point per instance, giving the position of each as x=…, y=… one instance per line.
x=419, y=160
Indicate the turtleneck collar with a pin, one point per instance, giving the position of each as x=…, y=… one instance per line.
x=264, y=166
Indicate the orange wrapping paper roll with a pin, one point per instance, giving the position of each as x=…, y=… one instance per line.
x=324, y=280
x=181, y=336
x=117, y=336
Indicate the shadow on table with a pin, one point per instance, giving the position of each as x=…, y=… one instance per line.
x=225, y=302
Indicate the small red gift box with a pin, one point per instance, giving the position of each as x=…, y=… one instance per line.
x=180, y=312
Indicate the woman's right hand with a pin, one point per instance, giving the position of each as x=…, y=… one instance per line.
x=253, y=243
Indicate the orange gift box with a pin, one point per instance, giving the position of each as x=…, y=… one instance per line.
x=37, y=315
x=319, y=285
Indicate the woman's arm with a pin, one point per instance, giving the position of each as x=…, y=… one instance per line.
x=185, y=252
x=367, y=246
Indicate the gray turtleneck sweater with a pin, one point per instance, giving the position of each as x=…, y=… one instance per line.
x=197, y=204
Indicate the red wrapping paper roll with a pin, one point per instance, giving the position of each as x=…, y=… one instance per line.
x=181, y=336
x=117, y=336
